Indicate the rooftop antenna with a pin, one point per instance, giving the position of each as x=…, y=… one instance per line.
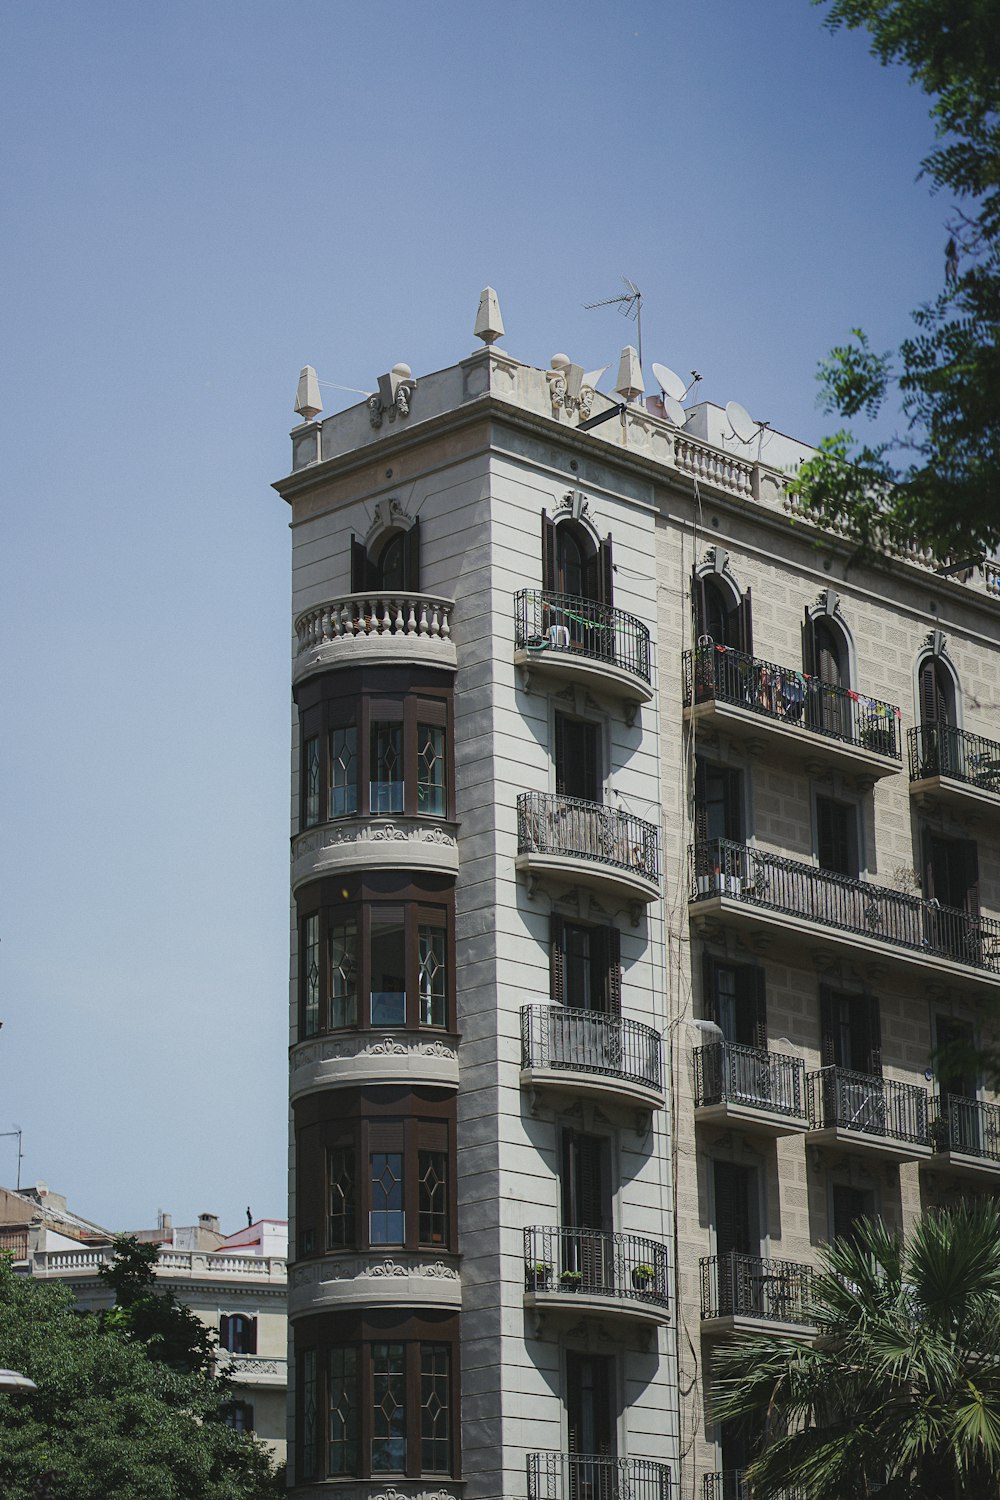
x=629, y=304
x=743, y=425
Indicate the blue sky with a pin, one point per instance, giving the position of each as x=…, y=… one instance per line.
x=199, y=200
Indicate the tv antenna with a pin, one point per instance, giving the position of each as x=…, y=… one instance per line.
x=629, y=304
x=743, y=425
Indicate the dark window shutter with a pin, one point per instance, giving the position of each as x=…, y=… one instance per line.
x=250, y=1336
x=607, y=579
x=224, y=1334
x=613, y=948
x=411, y=563
x=827, y=1026
x=971, y=859
x=560, y=754
x=809, y=645
x=758, y=990
x=699, y=604
x=700, y=802
x=557, y=958
x=360, y=569
x=709, y=1001
x=732, y=1209
x=744, y=625
x=548, y=553
x=927, y=856
x=733, y=789
x=868, y=1016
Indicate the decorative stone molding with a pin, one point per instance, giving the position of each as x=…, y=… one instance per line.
x=354, y=1058
x=353, y=1280
x=389, y=516
x=394, y=395
x=370, y=842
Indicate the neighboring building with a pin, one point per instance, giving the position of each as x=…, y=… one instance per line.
x=236, y=1284
x=621, y=937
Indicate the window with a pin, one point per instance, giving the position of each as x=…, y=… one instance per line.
x=851, y=1032
x=848, y=1205
x=585, y=966
x=387, y=1219
x=374, y=964
x=387, y=1408
x=718, y=796
x=341, y=1197
x=721, y=613
x=935, y=693
x=734, y=997
x=837, y=837
x=238, y=1333
x=575, y=566
x=387, y=755
x=238, y=1415
x=578, y=758
x=393, y=564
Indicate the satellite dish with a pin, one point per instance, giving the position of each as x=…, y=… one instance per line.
x=593, y=376
x=742, y=423
x=670, y=384
x=673, y=410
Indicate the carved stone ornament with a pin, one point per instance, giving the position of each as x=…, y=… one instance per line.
x=394, y=395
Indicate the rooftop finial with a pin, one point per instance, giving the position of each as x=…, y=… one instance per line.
x=629, y=374
x=489, y=324
x=308, y=402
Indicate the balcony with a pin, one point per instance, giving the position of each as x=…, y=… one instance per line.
x=359, y=1058
x=965, y=1136
x=576, y=1271
x=387, y=1277
x=800, y=715
x=732, y=1484
x=959, y=769
x=375, y=629
x=588, y=1052
x=582, y=1476
x=756, y=890
x=252, y=1369
x=569, y=639
x=586, y=843
x=866, y=1113
x=750, y=1088
x=747, y=1294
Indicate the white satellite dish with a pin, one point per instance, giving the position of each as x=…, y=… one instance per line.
x=593, y=376
x=670, y=384
x=743, y=425
x=673, y=410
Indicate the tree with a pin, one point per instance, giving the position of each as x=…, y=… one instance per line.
x=938, y=483
x=107, y=1420
x=900, y=1393
x=171, y=1332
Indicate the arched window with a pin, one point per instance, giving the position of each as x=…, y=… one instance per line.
x=935, y=692
x=826, y=661
x=389, y=563
x=571, y=570
x=390, y=566
x=575, y=563
x=721, y=612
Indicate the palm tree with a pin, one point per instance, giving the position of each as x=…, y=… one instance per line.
x=898, y=1395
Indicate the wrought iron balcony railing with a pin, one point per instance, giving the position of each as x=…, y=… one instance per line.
x=547, y=621
x=549, y=823
x=596, y=1263
x=582, y=1476
x=747, y=1286
x=725, y=1073
x=732, y=1484
x=776, y=692
x=720, y=867
x=966, y=1126
x=863, y=1102
x=943, y=750
x=587, y=1041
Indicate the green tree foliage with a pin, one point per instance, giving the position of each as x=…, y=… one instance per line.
x=108, y=1422
x=938, y=483
x=171, y=1333
x=900, y=1394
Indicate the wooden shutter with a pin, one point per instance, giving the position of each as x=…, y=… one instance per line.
x=699, y=604
x=700, y=802
x=744, y=625
x=613, y=950
x=827, y=1026
x=733, y=792
x=411, y=557
x=224, y=1333
x=557, y=958
x=362, y=571
x=757, y=986
x=970, y=854
x=927, y=858
x=866, y=1033
x=732, y=1210
x=809, y=645
x=250, y=1335
x=709, y=998
x=559, y=749
x=548, y=553
x=606, y=572
x=932, y=707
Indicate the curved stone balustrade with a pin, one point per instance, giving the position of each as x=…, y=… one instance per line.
x=372, y=843
x=346, y=1059
x=374, y=628
x=371, y=1279
x=713, y=467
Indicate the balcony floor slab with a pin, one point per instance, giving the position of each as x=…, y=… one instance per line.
x=949, y=792
x=856, y=1141
x=603, y=1086
x=962, y=1164
x=572, y=870
x=567, y=665
x=792, y=739
x=731, y=1323
x=574, y=1305
x=758, y=1118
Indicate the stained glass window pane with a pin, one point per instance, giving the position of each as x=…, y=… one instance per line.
x=388, y=969
x=340, y=1181
x=432, y=1167
x=309, y=958
x=342, y=1392
x=432, y=977
x=310, y=779
x=435, y=1409
x=343, y=771
x=386, y=1218
x=432, y=792
x=388, y=1409
x=344, y=975
x=310, y=1453
x=386, y=767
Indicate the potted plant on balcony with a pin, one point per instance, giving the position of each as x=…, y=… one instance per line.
x=537, y=1275
x=642, y=1276
x=880, y=738
x=570, y=1281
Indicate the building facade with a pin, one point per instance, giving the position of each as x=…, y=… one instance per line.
x=643, y=848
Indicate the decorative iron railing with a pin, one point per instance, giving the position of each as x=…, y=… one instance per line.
x=587, y=1041
x=582, y=1476
x=732, y=1484
x=720, y=867
x=776, y=692
x=747, y=1286
x=549, y=823
x=596, y=1262
x=546, y=621
x=727, y=1073
x=867, y=1104
x=943, y=750
x=966, y=1126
